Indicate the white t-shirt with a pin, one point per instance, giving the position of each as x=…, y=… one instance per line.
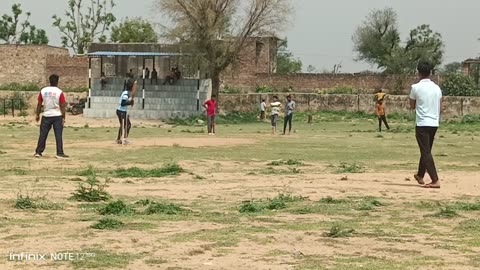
x=51, y=97
x=428, y=96
x=263, y=106
x=275, y=107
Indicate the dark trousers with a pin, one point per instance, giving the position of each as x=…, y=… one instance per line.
x=125, y=124
x=45, y=125
x=382, y=118
x=262, y=115
x=287, y=120
x=211, y=123
x=425, y=137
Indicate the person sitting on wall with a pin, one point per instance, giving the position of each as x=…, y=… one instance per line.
x=171, y=77
x=103, y=80
x=147, y=73
x=178, y=74
x=154, y=76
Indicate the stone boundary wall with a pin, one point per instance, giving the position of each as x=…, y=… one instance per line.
x=312, y=83
x=455, y=106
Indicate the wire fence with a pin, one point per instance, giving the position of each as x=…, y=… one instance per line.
x=9, y=105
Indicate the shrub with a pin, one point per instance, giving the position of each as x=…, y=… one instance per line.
x=107, y=224
x=93, y=191
x=168, y=169
x=30, y=87
x=251, y=207
x=25, y=202
x=116, y=208
x=459, y=85
x=471, y=119
x=163, y=208
x=264, y=89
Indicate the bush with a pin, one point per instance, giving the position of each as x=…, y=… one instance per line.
x=471, y=119
x=117, y=208
x=169, y=169
x=29, y=87
x=265, y=89
x=108, y=224
x=459, y=85
x=339, y=90
x=94, y=191
x=163, y=208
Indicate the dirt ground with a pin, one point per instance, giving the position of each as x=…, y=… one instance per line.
x=216, y=236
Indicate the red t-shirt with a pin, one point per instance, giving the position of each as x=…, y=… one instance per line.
x=211, y=107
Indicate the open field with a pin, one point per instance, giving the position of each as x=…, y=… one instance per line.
x=336, y=194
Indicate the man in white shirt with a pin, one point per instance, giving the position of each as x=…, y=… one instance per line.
x=54, y=103
x=263, y=108
x=289, y=109
x=275, y=112
x=426, y=100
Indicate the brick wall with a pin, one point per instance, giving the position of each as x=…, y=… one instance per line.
x=25, y=63
x=311, y=83
x=456, y=106
x=73, y=71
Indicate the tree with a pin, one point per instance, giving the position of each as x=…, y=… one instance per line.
x=220, y=29
x=13, y=31
x=456, y=84
x=135, y=30
x=286, y=62
x=377, y=41
x=454, y=67
x=85, y=25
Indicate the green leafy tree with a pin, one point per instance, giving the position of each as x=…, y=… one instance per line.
x=377, y=41
x=454, y=67
x=135, y=30
x=286, y=62
x=84, y=25
x=220, y=29
x=456, y=84
x=15, y=31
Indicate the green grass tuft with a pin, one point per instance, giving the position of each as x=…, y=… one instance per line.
x=117, y=208
x=337, y=231
x=169, y=169
x=155, y=208
x=108, y=224
x=350, y=168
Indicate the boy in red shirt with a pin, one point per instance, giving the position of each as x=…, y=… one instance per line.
x=211, y=107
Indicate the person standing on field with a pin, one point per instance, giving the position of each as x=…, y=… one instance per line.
x=275, y=112
x=426, y=100
x=54, y=104
x=211, y=107
x=126, y=99
x=382, y=115
x=289, y=109
x=263, y=108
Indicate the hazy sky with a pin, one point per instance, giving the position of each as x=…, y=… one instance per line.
x=321, y=30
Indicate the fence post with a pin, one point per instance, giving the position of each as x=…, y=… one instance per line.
x=13, y=107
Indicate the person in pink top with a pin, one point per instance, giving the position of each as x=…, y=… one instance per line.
x=211, y=107
x=54, y=103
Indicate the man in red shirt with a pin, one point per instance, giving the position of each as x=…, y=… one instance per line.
x=54, y=103
x=211, y=107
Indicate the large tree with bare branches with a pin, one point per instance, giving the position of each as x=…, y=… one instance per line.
x=220, y=29
x=85, y=23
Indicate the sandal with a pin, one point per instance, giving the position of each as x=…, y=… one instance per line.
x=419, y=179
x=432, y=185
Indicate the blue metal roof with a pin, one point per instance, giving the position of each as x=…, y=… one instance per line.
x=141, y=54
